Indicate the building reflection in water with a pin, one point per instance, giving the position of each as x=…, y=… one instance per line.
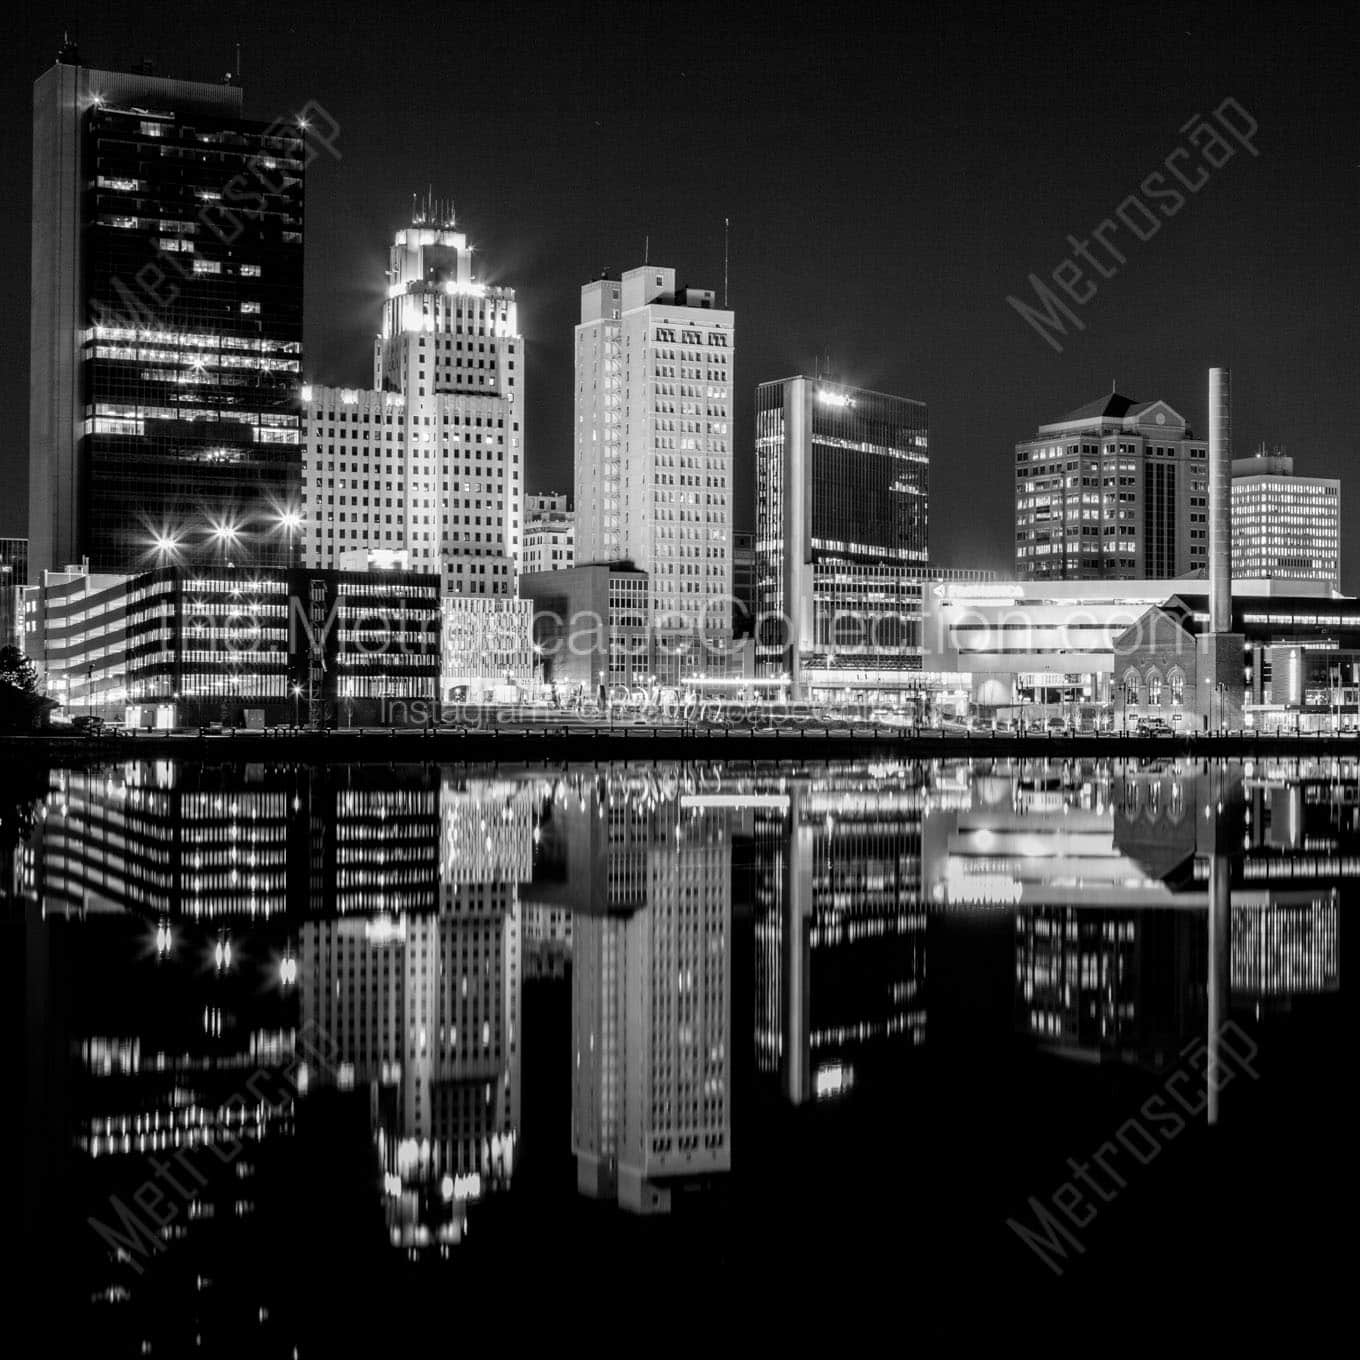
x=840, y=926
x=210, y=949
x=1108, y=877
x=423, y=1009
x=645, y=867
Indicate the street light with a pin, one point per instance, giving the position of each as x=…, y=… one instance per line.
x=297, y=704
x=289, y=522
x=165, y=544
x=225, y=535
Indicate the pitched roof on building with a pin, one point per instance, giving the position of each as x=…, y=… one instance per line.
x=1114, y=406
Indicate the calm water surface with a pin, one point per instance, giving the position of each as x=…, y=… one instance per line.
x=330, y=1060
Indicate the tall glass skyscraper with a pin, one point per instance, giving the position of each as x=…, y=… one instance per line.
x=166, y=324
x=841, y=532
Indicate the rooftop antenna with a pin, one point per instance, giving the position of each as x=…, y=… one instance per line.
x=238, y=63
x=646, y=250
x=1114, y=386
x=727, y=224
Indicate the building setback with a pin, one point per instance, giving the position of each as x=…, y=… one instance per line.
x=428, y=461
x=549, y=539
x=1117, y=489
x=1282, y=525
x=166, y=324
x=654, y=454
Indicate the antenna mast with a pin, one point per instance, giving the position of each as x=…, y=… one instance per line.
x=727, y=224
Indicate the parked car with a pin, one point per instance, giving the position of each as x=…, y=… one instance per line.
x=88, y=723
x=1056, y=727
x=1005, y=727
x=1154, y=727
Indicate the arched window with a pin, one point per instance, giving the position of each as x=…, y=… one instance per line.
x=1155, y=688
x=1176, y=682
x=1130, y=687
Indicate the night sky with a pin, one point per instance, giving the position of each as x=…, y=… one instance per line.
x=891, y=177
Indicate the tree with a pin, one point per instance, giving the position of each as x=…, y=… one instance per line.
x=22, y=708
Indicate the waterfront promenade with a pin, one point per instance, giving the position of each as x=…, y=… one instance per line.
x=580, y=741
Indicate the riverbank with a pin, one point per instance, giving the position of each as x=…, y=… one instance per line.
x=626, y=741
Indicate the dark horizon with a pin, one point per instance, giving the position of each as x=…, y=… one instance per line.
x=890, y=181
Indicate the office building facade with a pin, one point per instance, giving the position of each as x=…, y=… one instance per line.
x=13, y=577
x=743, y=583
x=653, y=453
x=429, y=460
x=487, y=649
x=841, y=533
x=549, y=536
x=279, y=645
x=166, y=324
x=590, y=628
x=1117, y=489
x=1282, y=525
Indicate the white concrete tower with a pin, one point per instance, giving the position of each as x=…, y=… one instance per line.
x=653, y=448
x=435, y=450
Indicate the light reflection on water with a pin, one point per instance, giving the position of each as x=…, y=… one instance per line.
x=413, y=1003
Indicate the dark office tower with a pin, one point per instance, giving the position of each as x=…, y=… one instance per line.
x=841, y=520
x=166, y=325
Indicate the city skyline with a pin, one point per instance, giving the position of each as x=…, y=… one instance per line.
x=1238, y=273
x=639, y=639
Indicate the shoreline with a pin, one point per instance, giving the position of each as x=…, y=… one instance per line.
x=582, y=743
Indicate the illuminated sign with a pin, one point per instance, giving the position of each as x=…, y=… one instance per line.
x=829, y=398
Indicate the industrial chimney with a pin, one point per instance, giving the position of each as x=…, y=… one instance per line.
x=1220, y=500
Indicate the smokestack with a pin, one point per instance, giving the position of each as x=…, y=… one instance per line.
x=1220, y=500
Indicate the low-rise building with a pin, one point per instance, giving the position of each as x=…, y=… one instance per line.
x=1046, y=644
x=1298, y=660
x=488, y=652
x=590, y=626
x=180, y=645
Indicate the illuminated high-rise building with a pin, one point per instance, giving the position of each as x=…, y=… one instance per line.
x=1284, y=526
x=166, y=325
x=841, y=532
x=654, y=454
x=428, y=461
x=1117, y=489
